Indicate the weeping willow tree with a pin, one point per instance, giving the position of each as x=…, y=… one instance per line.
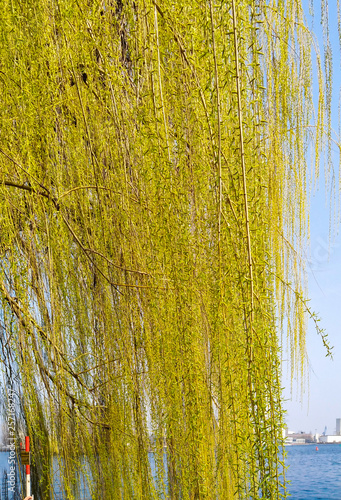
x=153, y=212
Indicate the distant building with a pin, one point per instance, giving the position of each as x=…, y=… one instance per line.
x=300, y=438
x=330, y=439
x=291, y=437
x=338, y=426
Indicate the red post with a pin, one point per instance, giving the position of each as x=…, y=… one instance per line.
x=28, y=472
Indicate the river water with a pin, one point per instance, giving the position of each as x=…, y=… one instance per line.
x=313, y=474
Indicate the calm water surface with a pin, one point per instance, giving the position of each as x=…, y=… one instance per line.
x=313, y=475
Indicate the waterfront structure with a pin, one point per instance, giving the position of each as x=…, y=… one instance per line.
x=303, y=438
x=330, y=439
x=338, y=426
x=299, y=438
x=333, y=438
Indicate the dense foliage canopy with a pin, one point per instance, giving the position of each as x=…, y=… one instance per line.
x=152, y=214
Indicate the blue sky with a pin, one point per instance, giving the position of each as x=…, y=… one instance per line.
x=321, y=402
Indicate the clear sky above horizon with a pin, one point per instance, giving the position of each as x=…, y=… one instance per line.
x=321, y=402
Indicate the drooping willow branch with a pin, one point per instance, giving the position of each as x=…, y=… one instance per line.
x=150, y=155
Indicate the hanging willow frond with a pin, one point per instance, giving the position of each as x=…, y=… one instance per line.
x=153, y=215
